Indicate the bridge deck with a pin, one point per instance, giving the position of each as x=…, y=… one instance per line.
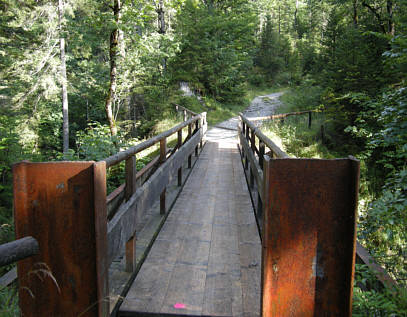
x=206, y=260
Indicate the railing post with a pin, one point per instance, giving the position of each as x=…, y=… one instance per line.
x=179, y=144
x=130, y=189
x=189, y=136
x=130, y=175
x=163, y=157
x=262, y=149
x=309, y=119
x=253, y=147
x=196, y=131
x=246, y=163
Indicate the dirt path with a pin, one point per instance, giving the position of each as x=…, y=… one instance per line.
x=260, y=106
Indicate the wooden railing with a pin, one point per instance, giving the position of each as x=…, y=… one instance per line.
x=282, y=116
x=140, y=197
x=64, y=206
x=268, y=169
x=186, y=112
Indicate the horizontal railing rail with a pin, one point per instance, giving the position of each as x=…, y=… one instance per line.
x=17, y=250
x=283, y=115
x=186, y=112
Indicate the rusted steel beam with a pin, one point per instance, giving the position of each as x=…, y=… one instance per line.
x=63, y=206
x=309, y=236
x=18, y=250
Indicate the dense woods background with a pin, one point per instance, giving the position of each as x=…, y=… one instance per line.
x=82, y=79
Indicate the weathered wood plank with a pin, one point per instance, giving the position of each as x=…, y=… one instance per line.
x=9, y=277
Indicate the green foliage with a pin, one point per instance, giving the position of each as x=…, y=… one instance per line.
x=215, y=47
x=9, y=302
x=369, y=302
x=384, y=226
x=96, y=142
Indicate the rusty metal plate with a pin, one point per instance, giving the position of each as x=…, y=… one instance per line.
x=62, y=205
x=309, y=237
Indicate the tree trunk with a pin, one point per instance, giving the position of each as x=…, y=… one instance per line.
x=161, y=18
x=355, y=13
x=113, y=52
x=65, y=118
x=391, y=27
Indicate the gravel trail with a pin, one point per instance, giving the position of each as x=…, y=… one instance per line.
x=260, y=106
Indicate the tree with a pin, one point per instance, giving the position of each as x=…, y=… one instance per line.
x=113, y=53
x=65, y=119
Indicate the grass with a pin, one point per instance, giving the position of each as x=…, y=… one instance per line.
x=9, y=302
x=296, y=139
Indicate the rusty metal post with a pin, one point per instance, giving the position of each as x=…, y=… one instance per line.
x=309, y=236
x=179, y=144
x=163, y=158
x=63, y=206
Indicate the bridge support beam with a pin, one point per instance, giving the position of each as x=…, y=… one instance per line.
x=309, y=236
x=63, y=206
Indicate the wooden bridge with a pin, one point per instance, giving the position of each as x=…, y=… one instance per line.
x=191, y=244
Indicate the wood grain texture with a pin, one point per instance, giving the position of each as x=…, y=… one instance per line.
x=207, y=264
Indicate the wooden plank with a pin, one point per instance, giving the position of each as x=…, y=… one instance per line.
x=151, y=290
x=187, y=286
x=61, y=204
x=9, y=277
x=122, y=226
x=380, y=273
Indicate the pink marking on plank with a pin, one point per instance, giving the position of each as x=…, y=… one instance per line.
x=179, y=306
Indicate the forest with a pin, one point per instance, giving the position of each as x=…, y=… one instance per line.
x=80, y=80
